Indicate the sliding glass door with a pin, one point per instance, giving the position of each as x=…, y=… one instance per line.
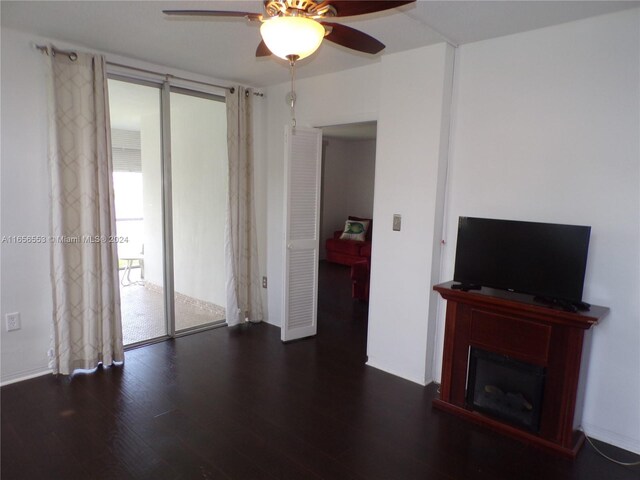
x=137, y=180
x=170, y=182
x=199, y=202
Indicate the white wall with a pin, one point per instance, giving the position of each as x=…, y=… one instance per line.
x=25, y=198
x=25, y=208
x=546, y=129
x=260, y=187
x=414, y=109
x=348, y=173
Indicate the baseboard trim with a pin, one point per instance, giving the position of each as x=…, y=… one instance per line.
x=26, y=375
x=397, y=373
x=266, y=320
x=612, y=438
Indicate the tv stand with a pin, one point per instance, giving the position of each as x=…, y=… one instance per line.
x=566, y=305
x=514, y=325
x=465, y=287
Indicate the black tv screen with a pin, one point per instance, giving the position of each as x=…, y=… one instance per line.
x=543, y=259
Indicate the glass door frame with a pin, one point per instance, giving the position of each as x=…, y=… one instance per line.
x=165, y=89
x=165, y=111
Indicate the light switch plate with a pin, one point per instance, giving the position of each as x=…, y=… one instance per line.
x=397, y=222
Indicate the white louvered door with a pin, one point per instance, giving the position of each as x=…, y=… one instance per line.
x=303, y=154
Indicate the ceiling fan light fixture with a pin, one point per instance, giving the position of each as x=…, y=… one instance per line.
x=288, y=37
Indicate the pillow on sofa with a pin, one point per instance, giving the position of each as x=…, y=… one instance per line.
x=355, y=230
x=368, y=229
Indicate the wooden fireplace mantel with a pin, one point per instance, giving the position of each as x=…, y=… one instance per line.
x=514, y=325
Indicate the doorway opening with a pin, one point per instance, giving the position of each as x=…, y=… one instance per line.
x=346, y=231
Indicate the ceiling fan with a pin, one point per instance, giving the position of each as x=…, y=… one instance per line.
x=294, y=29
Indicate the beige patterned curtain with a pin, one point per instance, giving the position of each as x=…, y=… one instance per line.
x=87, y=329
x=244, y=301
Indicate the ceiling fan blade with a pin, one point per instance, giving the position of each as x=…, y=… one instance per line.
x=347, y=8
x=212, y=13
x=352, y=38
x=263, y=50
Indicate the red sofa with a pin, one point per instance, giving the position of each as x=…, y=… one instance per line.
x=348, y=252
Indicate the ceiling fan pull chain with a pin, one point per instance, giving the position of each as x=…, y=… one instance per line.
x=292, y=95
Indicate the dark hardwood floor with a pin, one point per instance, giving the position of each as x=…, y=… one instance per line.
x=238, y=404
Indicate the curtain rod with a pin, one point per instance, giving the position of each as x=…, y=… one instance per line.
x=73, y=56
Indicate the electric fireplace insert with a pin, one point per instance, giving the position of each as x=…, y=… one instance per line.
x=505, y=388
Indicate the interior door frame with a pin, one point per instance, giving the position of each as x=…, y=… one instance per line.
x=360, y=117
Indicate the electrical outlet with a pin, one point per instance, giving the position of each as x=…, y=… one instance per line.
x=397, y=222
x=13, y=321
x=264, y=282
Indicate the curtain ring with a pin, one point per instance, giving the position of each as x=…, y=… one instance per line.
x=232, y=90
x=73, y=56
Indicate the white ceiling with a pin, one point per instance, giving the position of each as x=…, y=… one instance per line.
x=225, y=49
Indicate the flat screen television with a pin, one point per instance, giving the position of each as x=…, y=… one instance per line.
x=542, y=259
